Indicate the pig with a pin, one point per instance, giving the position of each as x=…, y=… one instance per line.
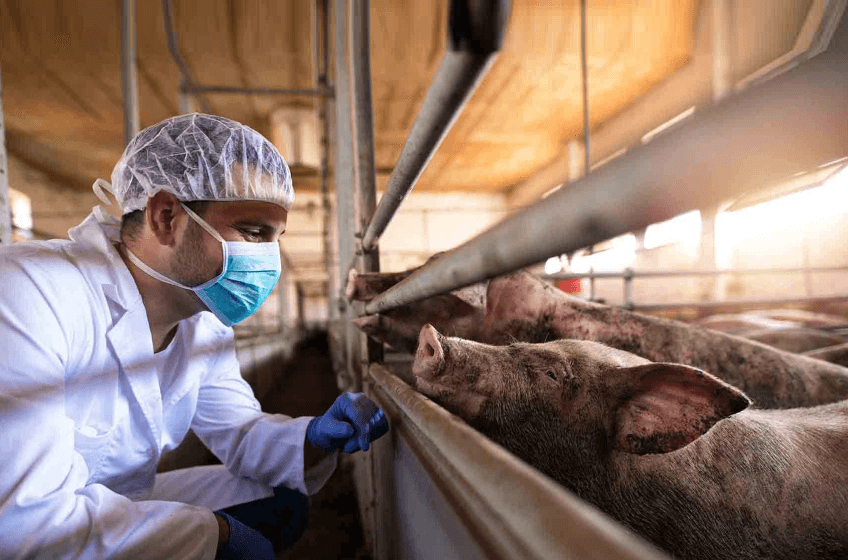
x=668, y=450
x=522, y=308
x=459, y=313
x=796, y=340
x=837, y=354
x=734, y=323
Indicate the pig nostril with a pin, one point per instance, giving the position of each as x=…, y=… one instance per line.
x=429, y=351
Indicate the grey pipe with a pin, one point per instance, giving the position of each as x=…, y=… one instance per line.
x=317, y=91
x=476, y=32
x=129, y=70
x=767, y=133
x=688, y=273
x=587, y=166
x=188, y=83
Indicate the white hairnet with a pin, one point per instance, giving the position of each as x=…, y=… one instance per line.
x=201, y=157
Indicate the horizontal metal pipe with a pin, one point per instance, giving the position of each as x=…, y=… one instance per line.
x=512, y=509
x=325, y=92
x=475, y=40
x=741, y=303
x=687, y=273
x=767, y=133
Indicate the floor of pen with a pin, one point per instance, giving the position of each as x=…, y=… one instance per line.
x=307, y=387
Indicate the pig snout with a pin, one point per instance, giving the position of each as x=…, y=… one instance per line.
x=430, y=355
x=351, y=289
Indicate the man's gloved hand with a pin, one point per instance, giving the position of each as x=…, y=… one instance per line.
x=244, y=543
x=351, y=424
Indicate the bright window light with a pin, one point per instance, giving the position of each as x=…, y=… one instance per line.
x=553, y=265
x=620, y=254
x=21, y=210
x=788, y=211
x=685, y=228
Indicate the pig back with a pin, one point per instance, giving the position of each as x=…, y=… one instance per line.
x=521, y=307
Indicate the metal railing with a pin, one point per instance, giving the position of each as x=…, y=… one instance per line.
x=511, y=509
x=475, y=33
x=720, y=152
x=506, y=505
x=628, y=275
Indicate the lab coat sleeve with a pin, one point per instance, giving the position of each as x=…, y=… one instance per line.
x=47, y=509
x=253, y=444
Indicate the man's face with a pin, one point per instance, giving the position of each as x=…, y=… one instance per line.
x=198, y=256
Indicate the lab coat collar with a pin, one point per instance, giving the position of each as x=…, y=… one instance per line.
x=100, y=232
x=129, y=335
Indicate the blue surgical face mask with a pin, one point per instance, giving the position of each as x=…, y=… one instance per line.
x=250, y=272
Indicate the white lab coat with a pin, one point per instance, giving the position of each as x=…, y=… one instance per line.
x=83, y=423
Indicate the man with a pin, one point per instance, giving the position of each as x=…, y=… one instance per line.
x=118, y=341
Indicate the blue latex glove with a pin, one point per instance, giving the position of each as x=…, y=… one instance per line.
x=351, y=424
x=245, y=543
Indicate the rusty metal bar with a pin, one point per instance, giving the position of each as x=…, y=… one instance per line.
x=720, y=152
x=129, y=69
x=475, y=31
x=512, y=510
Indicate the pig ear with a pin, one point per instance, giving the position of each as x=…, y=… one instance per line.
x=667, y=406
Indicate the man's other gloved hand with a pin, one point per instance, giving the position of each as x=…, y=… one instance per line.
x=244, y=543
x=351, y=424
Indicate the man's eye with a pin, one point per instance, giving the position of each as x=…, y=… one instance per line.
x=251, y=232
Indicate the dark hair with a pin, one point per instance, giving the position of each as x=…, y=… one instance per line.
x=133, y=222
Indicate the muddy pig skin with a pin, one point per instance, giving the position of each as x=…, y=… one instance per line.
x=667, y=449
x=521, y=307
x=459, y=313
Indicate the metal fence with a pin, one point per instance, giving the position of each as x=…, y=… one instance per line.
x=628, y=275
x=504, y=505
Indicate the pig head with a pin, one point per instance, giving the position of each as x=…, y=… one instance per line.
x=569, y=407
x=459, y=313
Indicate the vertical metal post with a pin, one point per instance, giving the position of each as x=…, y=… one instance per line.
x=592, y=284
x=301, y=306
x=363, y=148
x=721, y=49
x=344, y=180
x=365, y=202
x=5, y=207
x=321, y=63
x=129, y=74
x=628, y=288
x=584, y=66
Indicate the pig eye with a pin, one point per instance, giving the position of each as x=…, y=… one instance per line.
x=551, y=374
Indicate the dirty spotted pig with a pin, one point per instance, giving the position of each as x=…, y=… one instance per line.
x=521, y=307
x=667, y=449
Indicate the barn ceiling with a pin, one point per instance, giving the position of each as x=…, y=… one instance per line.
x=60, y=65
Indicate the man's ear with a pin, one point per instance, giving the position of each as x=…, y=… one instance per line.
x=161, y=214
x=664, y=407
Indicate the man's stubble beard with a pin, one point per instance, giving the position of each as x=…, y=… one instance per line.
x=192, y=265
